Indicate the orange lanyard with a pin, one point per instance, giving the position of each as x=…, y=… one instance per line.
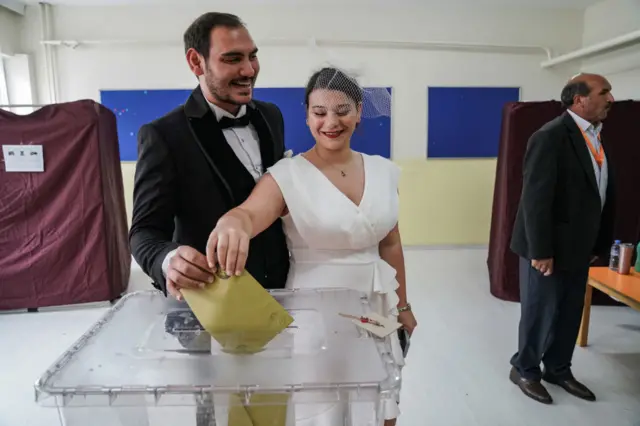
x=599, y=156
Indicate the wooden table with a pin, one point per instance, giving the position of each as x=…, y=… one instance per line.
x=624, y=288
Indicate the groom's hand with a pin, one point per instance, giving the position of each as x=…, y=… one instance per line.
x=187, y=269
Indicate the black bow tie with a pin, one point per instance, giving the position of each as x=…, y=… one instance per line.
x=227, y=123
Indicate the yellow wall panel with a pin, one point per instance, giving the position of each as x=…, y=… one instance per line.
x=446, y=202
x=442, y=202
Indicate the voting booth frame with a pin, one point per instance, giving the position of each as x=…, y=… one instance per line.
x=64, y=233
x=149, y=362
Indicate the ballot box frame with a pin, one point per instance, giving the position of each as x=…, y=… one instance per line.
x=132, y=401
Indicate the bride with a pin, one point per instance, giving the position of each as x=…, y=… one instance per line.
x=339, y=209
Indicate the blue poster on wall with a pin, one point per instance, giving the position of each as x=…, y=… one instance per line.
x=465, y=122
x=134, y=108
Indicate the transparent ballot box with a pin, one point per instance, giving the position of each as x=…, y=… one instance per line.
x=149, y=362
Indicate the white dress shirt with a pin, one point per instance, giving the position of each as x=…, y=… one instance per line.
x=592, y=132
x=245, y=144
x=243, y=140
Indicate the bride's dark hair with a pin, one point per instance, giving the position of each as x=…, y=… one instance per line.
x=333, y=79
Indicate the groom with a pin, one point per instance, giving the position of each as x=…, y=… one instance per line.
x=202, y=159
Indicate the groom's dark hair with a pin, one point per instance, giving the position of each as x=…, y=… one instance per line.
x=198, y=35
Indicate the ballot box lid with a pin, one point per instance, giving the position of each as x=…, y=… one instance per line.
x=149, y=349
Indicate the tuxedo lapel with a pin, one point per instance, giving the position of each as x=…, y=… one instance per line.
x=265, y=137
x=223, y=161
x=223, y=155
x=580, y=147
x=206, y=133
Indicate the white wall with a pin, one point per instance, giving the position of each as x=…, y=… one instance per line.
x=606, y=20
x=610, y=18
x=10, y=31
x=20, y=84
x=429, y=187
x=87, y=69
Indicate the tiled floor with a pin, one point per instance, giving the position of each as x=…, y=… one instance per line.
x=457, y=367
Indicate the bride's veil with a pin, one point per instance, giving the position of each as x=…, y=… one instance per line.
x=346, y=75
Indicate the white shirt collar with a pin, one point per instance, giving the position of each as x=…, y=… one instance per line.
x=584, y=124
x=219, y=112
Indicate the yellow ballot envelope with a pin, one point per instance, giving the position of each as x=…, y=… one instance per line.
x=263, y=410
x=238, y=312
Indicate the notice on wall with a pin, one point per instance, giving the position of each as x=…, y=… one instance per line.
x=23, y=158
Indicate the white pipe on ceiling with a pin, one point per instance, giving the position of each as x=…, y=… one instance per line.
x=52, y=75
x=607, y=46
x=611, y=45
x=375, y=44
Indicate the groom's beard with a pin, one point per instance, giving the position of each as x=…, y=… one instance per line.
x=223, y=91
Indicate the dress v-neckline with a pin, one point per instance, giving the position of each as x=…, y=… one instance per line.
x=335, y=188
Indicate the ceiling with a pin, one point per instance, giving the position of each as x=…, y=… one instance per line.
x=578, y=4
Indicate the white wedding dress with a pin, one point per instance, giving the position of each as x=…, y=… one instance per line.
x=334, y=242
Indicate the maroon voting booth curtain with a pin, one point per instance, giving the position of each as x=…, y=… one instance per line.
x=63, y=232
x=519, y=121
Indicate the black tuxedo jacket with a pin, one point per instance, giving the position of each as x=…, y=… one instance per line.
x=560, y=214
x=187, y=177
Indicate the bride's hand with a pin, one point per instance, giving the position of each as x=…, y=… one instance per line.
x=228, y=246
x=408, y=321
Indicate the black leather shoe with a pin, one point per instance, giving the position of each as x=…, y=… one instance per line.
x=572, y=386
x=532, y=388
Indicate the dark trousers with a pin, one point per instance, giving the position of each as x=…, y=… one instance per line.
x=551, y=311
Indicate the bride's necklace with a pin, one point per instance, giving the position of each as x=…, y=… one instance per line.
x=342, y=172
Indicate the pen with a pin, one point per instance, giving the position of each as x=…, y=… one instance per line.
x=364, y=320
